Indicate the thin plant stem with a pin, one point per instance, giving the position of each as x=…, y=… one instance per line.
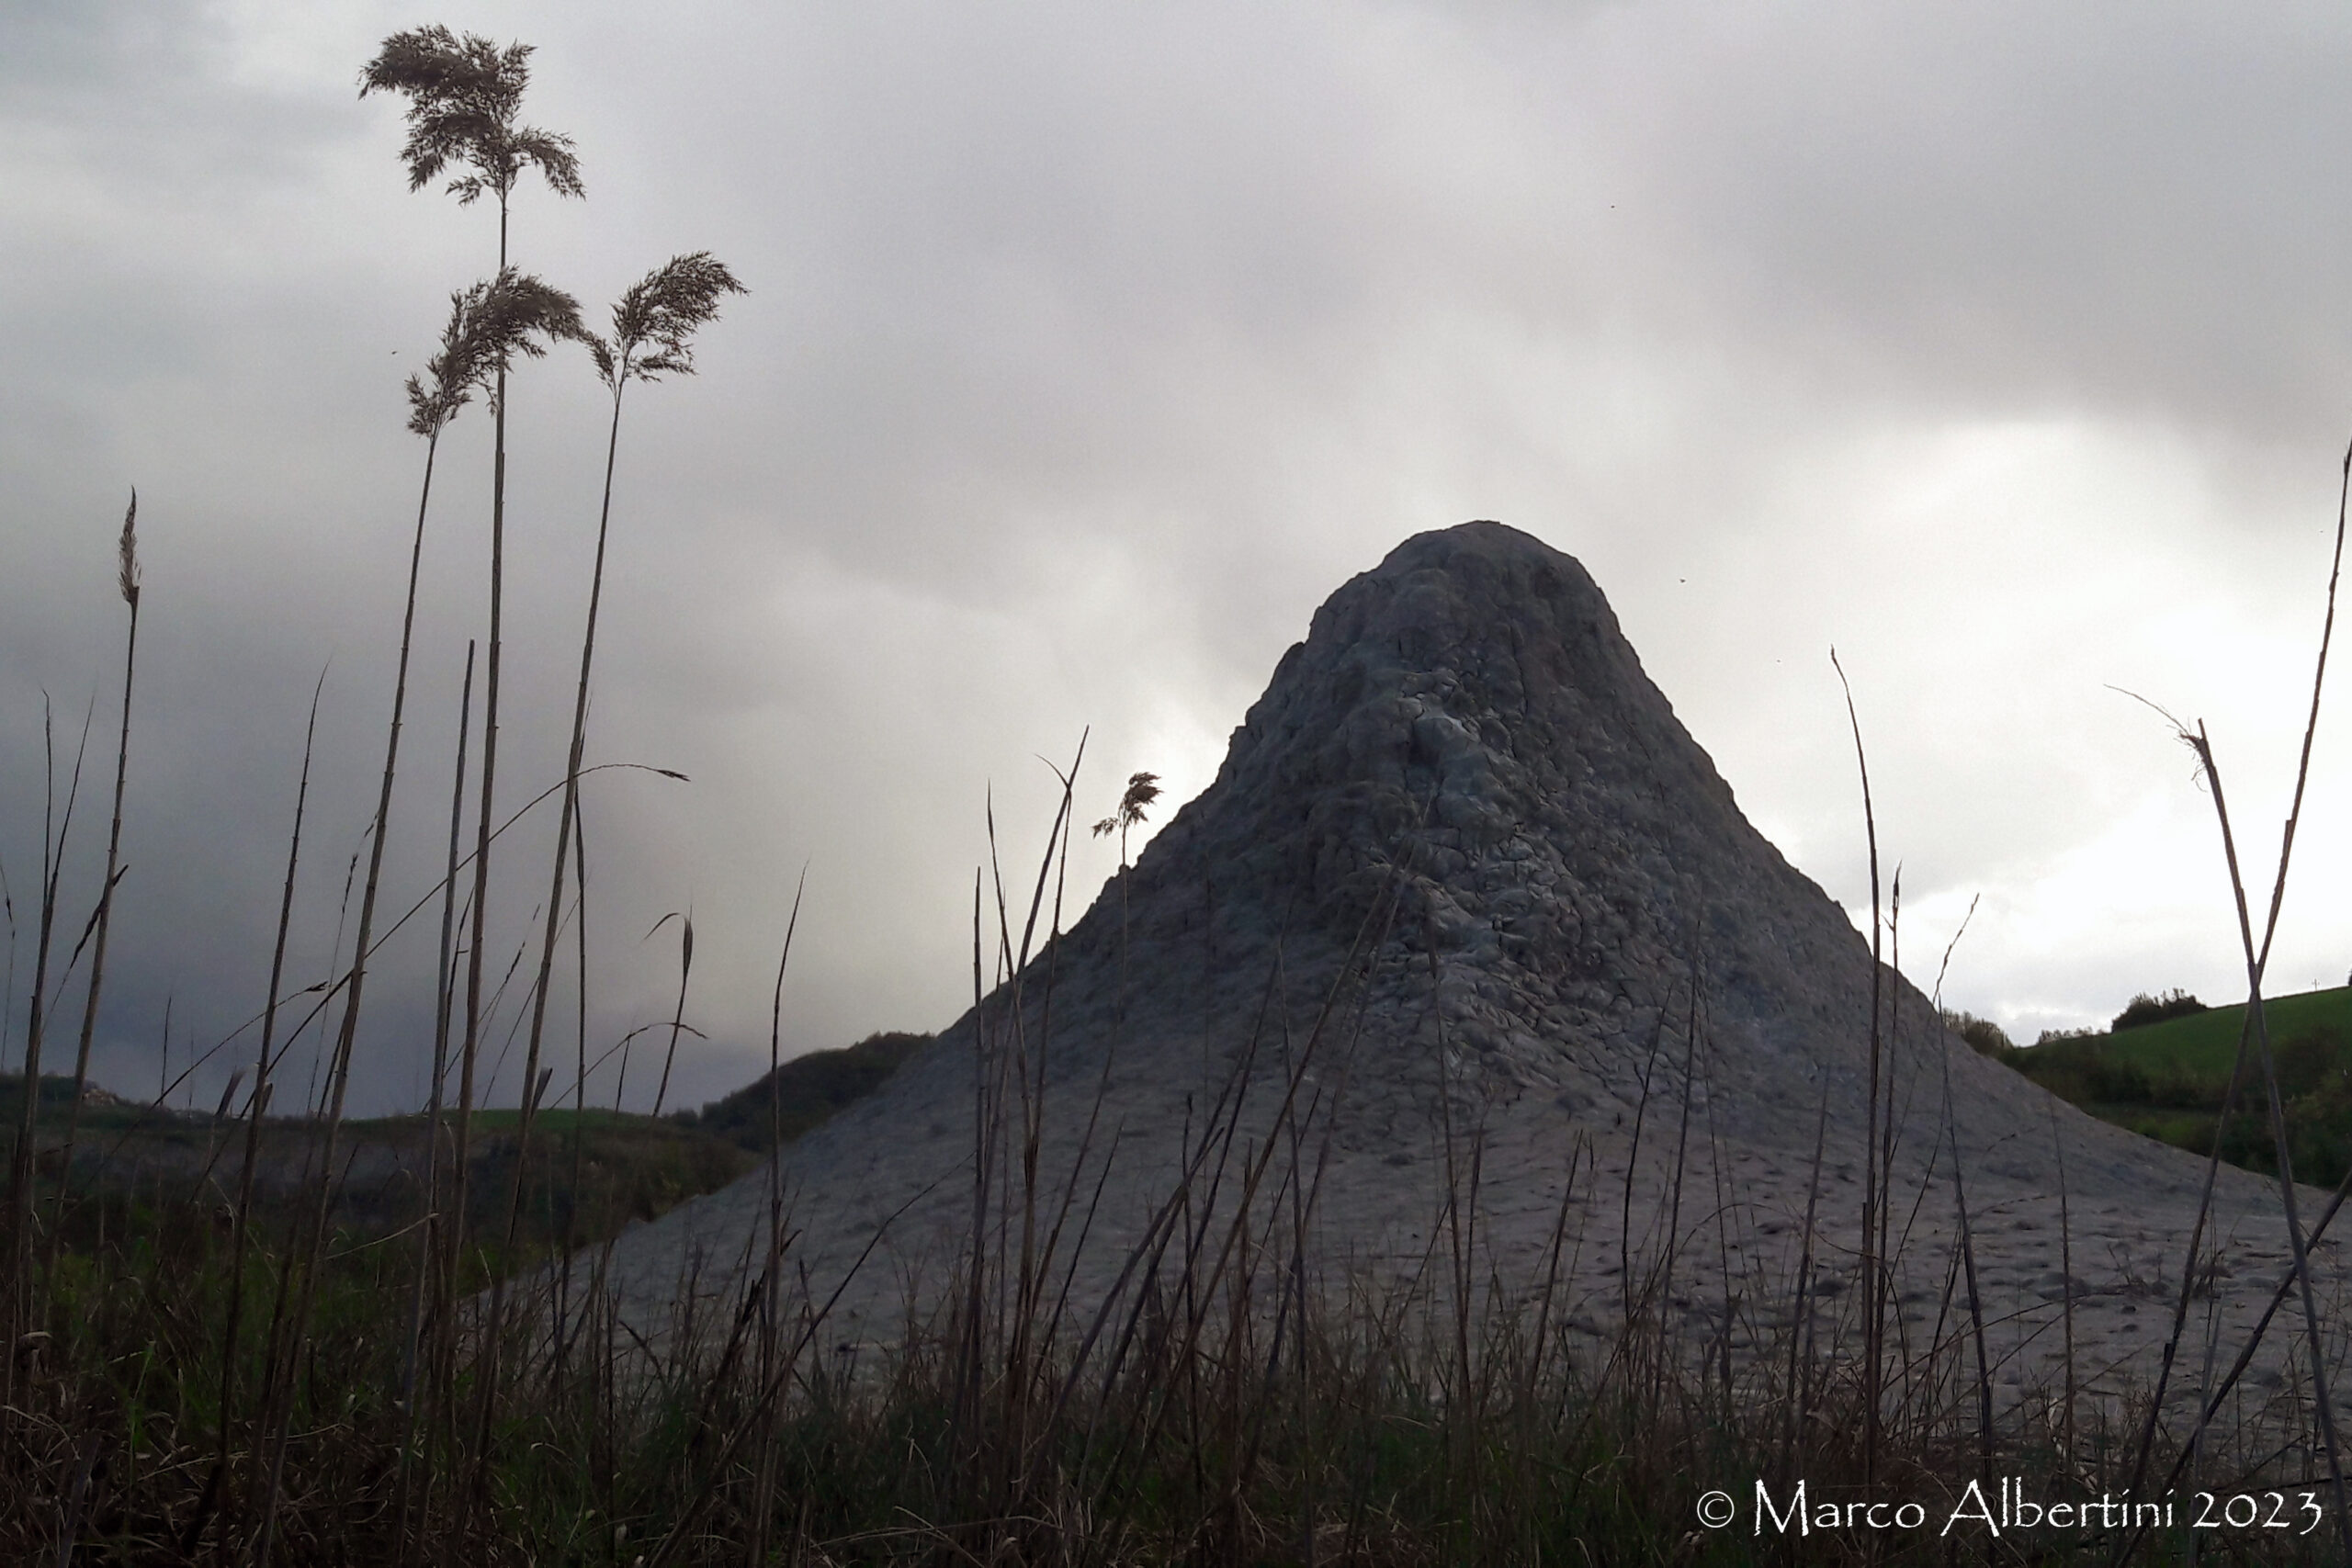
x=129, y=585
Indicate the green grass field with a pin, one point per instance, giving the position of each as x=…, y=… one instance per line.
x=2206, y=1044
x=2168, y=1080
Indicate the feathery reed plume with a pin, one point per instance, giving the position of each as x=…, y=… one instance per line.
x=127, y=567
x=1142, y=790
x=491, y=323
x=463, y=95
x=655, y=321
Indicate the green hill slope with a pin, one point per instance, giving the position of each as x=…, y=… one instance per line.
x=2168, y=1080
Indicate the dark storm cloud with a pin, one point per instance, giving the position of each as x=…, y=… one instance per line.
x=1087, y=351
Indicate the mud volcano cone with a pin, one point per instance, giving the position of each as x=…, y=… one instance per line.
x=1468, y=947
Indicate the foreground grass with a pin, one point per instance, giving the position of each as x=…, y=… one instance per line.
x=1212, y=1417
x=1380, y=1427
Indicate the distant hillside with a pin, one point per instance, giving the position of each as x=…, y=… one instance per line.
x=629, y=1166
x=100, y=1108
x=634, y=1165
x=590, y=1173
x=2167, y=1079
x=812, y=1088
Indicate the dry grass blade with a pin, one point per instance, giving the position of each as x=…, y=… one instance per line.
x=2323, y=1399
x=56, y=830
x=1874, y=1198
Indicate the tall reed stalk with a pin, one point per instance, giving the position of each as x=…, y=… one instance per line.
x=653, y=329
x=465, y=100
x=127, y=581
x=489, y=324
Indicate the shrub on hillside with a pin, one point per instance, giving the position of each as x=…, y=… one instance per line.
x=1988, y=1038
x=2145, y=1008
x=808, y=1089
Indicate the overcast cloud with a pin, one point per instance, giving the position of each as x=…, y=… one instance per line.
x=1089, y=348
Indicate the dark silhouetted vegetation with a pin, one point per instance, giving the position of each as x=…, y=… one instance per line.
x=2143, y=1010
x=808, y=1090
x=1988, y=1038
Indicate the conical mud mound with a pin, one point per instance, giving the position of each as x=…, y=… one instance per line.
x=1468, y=953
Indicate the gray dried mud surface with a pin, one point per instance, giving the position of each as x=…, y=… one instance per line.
x=1467, y=884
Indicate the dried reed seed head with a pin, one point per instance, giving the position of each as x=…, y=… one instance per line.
x=1142, y=790
x=434, y=404
x=129, y=563
x=464, y=94
x=515, y=313
x=518, y=310
x=663, y=309
x=489, y=324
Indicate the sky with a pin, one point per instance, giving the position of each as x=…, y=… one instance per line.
x=2001, y=347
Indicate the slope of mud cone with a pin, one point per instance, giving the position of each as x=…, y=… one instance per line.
x=1466, y=905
